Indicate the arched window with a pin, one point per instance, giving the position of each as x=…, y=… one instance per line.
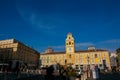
x=72, y=43
x=96, y=56
x=66, y=43
x=69, y=43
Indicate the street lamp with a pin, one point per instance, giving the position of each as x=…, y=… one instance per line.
x=65, y=61
x=70, y=63
x=88, y=66
x=88, y=62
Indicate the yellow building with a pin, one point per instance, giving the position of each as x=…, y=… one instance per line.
x=15, y=51
x=75, y=58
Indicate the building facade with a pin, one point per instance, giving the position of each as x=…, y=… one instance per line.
x=15, y=51
x=74, y=58
x=113, y=59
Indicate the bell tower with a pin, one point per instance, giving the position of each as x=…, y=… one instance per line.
x=70, y=45
x=70, y=50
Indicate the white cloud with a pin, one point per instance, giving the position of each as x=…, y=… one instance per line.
x=59, y=47
x=78, y=45
x=110, y=45
x=2, y=34
x=34, y=18
x=111, y=41
x=84, y=44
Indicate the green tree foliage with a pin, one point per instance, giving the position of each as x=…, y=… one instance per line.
x=118, y=57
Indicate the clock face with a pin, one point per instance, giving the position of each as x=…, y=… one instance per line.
x=70, y=49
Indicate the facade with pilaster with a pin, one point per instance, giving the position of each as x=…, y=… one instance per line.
x=15, y=51
x=80, y=58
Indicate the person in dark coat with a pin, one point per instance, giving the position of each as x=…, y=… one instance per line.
x=49, y=73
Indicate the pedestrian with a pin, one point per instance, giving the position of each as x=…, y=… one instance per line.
x=99, y=71
x=78, y=77
x=49, y=73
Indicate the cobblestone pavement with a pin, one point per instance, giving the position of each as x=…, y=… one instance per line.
x=110, y=76
x=13, y=76
x=25, y=76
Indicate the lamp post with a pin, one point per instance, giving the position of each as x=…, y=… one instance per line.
x=88, y=67
x=65, y=61
x=70, y=60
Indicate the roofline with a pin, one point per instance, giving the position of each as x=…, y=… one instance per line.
x=83, y=51
x=53, y=53
x=91, y=50
x=19, y=42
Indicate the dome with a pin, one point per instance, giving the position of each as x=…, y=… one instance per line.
x=49, y=50
x=91, y=48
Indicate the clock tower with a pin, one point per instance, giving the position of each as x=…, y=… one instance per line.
x=70, y=50
x=70, y=46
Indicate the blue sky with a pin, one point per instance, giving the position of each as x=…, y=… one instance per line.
x=45, y=23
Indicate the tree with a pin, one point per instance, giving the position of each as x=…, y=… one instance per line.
x=118, y=56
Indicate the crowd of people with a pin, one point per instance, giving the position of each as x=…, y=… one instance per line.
x=65, y=72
